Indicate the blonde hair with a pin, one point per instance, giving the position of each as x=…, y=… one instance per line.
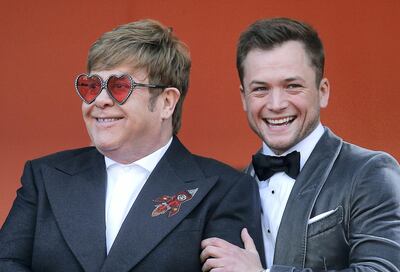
x=148, y=45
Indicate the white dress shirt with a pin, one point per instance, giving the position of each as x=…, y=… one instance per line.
x=124, y=182
x=275, y=191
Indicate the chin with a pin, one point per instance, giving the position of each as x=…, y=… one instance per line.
x=104, y=146
x=279, y=146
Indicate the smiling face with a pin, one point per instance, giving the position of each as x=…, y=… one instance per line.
x=280, y=96
x=130, y=131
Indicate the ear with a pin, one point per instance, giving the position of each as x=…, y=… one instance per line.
x=170, y=98
x=243, y=97
x=324, y=89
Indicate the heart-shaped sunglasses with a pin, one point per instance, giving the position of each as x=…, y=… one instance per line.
x=119, y=87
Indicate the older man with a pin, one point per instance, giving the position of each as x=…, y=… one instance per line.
x=138, y=200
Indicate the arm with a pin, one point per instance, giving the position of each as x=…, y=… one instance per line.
x=16, y=235
x=218, y=253
x=372, y=220
x=374, y=224
x=238, y=209
x=373, y=228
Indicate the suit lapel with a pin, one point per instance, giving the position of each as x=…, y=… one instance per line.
x=76, y=190
x=293, y=226
x=141, y=232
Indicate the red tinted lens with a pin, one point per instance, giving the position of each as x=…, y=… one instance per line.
x=119, y=87
x=89, y=87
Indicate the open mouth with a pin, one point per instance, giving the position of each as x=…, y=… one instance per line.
x=278, y=122
x=107, y=120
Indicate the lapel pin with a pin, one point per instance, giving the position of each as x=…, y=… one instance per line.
x=172, y=204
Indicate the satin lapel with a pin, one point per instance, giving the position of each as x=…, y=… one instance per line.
x=293, y=227
x=76, y=190
x=141, y=232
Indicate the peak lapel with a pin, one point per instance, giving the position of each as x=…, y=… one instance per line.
x=76, y=191
x=302, y=198
x=141, y=232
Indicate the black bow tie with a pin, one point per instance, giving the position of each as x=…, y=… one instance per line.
x=265, y=166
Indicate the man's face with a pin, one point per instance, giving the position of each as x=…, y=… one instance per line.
x=280, y=95
x=118, y=131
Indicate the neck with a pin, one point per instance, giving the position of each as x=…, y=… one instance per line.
x=136, y=151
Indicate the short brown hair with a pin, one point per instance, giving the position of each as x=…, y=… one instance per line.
x=265, y=34
x=148, y=45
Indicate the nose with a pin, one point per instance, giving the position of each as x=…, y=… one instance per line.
x=277, y=100
x=104, y=99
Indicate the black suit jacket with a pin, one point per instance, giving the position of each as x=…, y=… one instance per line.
x=57, y=222
x=356, y=192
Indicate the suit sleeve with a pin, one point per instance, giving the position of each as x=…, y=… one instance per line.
x=373, y=230
x=16, y=235
x=239, y=208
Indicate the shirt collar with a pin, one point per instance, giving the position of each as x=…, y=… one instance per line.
x=305, y=146
x=148, y=163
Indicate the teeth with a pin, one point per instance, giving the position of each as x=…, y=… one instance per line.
x=106, y=120
x=281, y=121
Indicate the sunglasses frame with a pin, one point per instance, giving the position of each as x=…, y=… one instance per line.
x=104, y=85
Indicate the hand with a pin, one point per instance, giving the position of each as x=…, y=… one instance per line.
x=220, y=256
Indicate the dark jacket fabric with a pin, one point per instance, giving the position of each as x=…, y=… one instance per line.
x=361, y=188
x=57, y=222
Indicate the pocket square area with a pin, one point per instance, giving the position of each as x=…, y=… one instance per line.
x=325, y=222
x=320, y=216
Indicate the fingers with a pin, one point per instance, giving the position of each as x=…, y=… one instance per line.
x=248, y=241
x=216, y=248
x=217, y=242
x=210, y=248
x=213, y=265
x=220, y=256
x=211, y=252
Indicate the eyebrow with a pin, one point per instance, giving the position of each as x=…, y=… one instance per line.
x=289, y=79
x=258, y=82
